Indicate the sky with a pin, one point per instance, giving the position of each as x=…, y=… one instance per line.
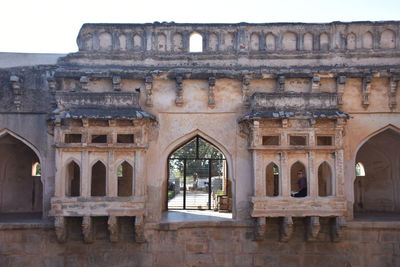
x=51, y=26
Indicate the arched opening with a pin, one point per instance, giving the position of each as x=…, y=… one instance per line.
x=195, y=43
x=98, y=185
x=378, y=175
x=198, y=177
x=21, y=192
x=325, y=185
x=272, y=180
x=73, y=186
x=298, y=180
x=125, y=179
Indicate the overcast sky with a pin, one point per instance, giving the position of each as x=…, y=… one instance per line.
x=51, y=26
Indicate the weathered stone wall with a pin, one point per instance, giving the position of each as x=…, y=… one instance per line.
x=203, y=244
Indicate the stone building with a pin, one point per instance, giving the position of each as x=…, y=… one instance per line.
x=101, y=148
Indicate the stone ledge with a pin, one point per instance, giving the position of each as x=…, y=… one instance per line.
x=173, y=226
x=26, y=225
x=376, y=224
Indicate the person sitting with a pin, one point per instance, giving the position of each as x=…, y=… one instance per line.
x=302, y=184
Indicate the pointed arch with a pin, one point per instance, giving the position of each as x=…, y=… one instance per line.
x=72, y=177
x=185, y=140
x=98, y=179
x=295, y=184
x=325, y=180
x=20, y=191
x=377, y=191
x=125, y=176
x=272, y=179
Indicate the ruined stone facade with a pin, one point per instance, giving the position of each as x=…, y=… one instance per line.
x=134, y=120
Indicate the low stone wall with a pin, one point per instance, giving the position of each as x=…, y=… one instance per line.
x=201, y=244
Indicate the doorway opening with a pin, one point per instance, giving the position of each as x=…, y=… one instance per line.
x=198, y=177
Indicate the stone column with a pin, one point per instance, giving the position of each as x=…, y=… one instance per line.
x=284, y=174
x=60, y=175
x=85, y=178
x=112, y=181
x=138, y=179
x=312, y=178
x=259, y=182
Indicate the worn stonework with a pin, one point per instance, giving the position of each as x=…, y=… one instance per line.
x=102, y=142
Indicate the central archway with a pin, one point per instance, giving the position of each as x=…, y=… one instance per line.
x=197, y=176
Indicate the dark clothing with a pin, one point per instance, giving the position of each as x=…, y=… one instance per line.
x=302, y=183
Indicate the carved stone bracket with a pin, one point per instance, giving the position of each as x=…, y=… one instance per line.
x=366, y=90
x=179, y=91
x=286, y=229
x=16, y=87
x=113, y=228
x=148, y=84
x=260, y=229
x=337, y=226
x=87, y=229
x=139, y=229
x=84, y=81
x=246, y=90
x=313, y=228
x=315, y=83
x=116, y=83
x=393, y=89
x=281, y=83
x=340, y=85
x=52, y=87
x=211, y=92
x=60, y=225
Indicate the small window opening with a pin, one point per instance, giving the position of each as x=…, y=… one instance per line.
x=298, y=140
x=360, y=170
x=99, y=138
x=36, y=169
x=125, y=179
x=125, y=138
x=324, y=140
x=196, y=43
x=272, y=180
x=73, y=138
x=270, y=140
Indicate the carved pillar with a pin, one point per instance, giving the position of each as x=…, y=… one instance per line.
x=393, y=88
x=280, y=87
x=340, y=85
x=337, y=228
x=16, y=87
x=139, y=229
x=284, y=174
x=260, y=229
x=60, y=225
x=315, y=84
x=112, y=181
x=85, y=178
x=339, y=169
x=84, y=81
x=286, y=229
x=116, y=83
x=366, y=90
x=211, y=90
x=148, y=84
x=246, y=90
x=312, y=178
x=255, y=134
x=113, y=228
x=313, y=228
x=179, y=91
x=258, y=179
